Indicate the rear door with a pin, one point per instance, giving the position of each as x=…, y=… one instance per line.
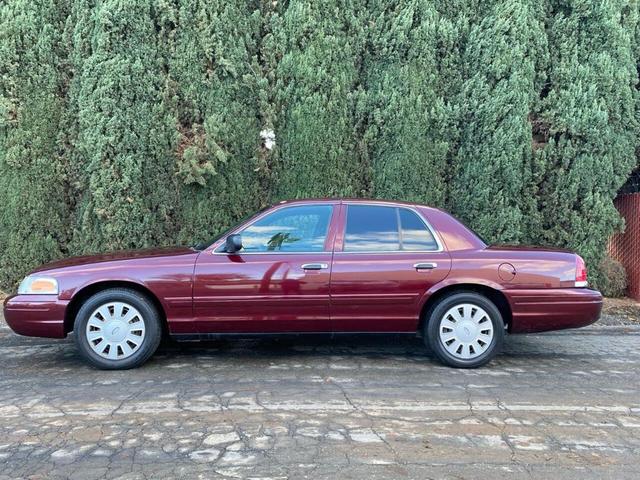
x=386, y=257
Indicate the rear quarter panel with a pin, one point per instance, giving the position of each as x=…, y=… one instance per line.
x=533, y=269
x=541, y=294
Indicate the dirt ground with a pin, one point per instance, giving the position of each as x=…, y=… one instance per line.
x=620, y=311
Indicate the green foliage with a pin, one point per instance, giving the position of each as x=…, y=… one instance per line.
x=125, y=129
x=317, y=76
x=214, y=67
x=33, y=212
x=493, y=165
x=590, y=113
x=405, y=115
x=128, y=123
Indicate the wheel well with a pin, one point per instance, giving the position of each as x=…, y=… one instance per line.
x=496, y=296
x=80, y=297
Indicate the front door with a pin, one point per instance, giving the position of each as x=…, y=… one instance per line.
x=386, y=258
x=278, y=282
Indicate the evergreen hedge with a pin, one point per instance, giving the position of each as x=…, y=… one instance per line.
x=131, y=123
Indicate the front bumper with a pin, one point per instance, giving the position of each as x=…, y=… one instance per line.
x=36, y=315
x=541, y=310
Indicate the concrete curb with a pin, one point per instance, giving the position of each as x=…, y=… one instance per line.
x=596, y=329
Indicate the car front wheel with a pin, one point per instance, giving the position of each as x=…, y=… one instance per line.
x=117, y=329
x=464, y=330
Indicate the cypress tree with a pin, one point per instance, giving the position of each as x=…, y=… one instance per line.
x=77, y=37
x=492, y=171
x=33, y=213
x=631, y=21
x=317, y=89
x=455, y=18
x=214, y=67
x=124, y=124
x=407, y=118
x=590, y=114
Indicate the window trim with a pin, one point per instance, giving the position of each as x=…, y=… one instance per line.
x=385, y=252
x=241, y=228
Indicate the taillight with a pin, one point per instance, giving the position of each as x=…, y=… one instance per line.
x=581, y=272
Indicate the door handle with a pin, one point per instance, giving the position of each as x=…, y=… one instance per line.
x=314, y=266
x=425, y=266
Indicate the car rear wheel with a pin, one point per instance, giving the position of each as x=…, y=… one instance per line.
x=116, y=329
x=464, y=330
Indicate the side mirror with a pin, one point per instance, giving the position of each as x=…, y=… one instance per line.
x=233, y=243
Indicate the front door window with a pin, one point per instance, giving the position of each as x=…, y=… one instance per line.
x=289, y=229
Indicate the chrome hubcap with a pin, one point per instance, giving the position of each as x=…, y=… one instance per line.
x=115, y=330
x=466, y=331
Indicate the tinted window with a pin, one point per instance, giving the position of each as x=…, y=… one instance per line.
x=415, y=234
x=371, y=229
x=291, y=229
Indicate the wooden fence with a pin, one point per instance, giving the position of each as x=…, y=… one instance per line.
x=625, y=247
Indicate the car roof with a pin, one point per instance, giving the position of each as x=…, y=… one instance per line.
x=366, y=201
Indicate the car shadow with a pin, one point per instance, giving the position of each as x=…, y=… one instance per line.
x=283, y=346
x=377, y=346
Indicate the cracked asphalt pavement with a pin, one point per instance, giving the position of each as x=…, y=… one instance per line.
x=555, y=405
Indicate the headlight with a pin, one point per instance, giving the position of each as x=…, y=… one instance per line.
x=34, y=285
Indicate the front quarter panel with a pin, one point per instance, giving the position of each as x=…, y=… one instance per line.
x=168, y=277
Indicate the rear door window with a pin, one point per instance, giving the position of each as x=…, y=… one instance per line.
x=374, y=228
x=371, y=229
x=415, y=236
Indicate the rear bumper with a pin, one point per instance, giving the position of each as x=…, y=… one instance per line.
x=541, y=310
x=36, y=315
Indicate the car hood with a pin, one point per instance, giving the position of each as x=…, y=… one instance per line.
x=115, y=256
x=530, y=248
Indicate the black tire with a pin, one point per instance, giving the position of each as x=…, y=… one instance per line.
x=435, y=317
x=150, y=317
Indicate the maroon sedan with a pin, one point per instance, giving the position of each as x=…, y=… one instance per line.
x=311, y=266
